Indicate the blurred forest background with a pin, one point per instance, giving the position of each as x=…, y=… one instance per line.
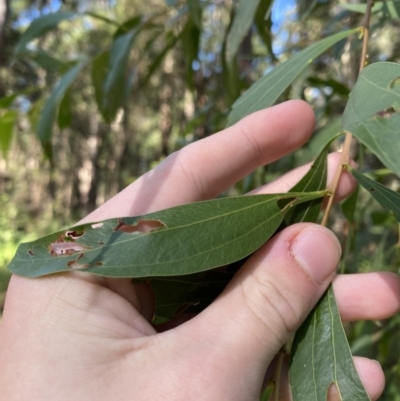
x=104, y=90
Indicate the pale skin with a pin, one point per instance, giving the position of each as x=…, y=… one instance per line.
x=81, y=337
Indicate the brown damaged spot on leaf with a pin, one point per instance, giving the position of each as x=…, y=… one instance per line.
x=65, y=247
x=142, y=226
x=31, y=252
x=387, y=112
x=73, y=264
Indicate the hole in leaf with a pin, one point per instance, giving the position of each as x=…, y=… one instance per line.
x=65, y=246
x=97, y=225
x=333, y=392
x=142, y=226
x=31, y=252
x=387, y=112
x=74, y=234
x=394, y=83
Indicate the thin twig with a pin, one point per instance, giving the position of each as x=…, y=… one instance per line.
x=345, y=156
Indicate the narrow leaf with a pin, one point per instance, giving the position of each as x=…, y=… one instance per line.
x=349, y=206
x=372, y=113
x=177, y=241
x=191, y=293
x=263, y=22
x=191, y=44
x=50, y=109
x=314, y=180
x=7, y=122
x=321, y=357
x=389, y=199
x=171, y=41
x=99, y=72
x=242, y=22
x=64, y=118
x=102, y=18
x=195, y=12
x=389, y=9
x=264, y=92
x=115, y=80
x=40, y=26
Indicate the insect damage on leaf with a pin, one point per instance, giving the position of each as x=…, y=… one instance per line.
x=66, y=245
x=142, y=226
x=387, y=112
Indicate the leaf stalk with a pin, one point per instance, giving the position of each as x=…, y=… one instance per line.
x=345, y=156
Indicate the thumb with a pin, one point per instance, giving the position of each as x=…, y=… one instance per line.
x=270, y=296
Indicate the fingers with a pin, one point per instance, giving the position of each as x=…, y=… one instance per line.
x=270, y=296
x=371, y=375
x=206, y=168
x=367, y=296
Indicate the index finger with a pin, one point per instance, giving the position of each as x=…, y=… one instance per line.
x=208, y=167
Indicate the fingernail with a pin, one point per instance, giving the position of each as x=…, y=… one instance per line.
x=318, y=251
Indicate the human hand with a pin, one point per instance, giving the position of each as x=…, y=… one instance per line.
x=80, y=337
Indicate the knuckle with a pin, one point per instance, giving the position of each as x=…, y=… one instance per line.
x=272, y=303
x=254, y=144
x=183, y=161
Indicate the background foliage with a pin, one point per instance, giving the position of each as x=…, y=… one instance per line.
x=105, y=91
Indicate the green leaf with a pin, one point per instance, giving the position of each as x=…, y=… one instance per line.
x=171, y=41
x=50, y=108
x=102, y=18
x=389, y=199
x=321, y=356
x=65, y=112
x=7, y=122
x=48, y=62
x=6, y=102
x=99, y=72
x=128, y=26
x=116, y=84
x=214, y=233
x=195, y=12
x=349, y=206
x=264, y=92
x=314, y=180
x=263, y=22
x=191, y=43
x=389, y=9
x=372, y=113
x=243, y=19
x=40, y=26
x=191, y=293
